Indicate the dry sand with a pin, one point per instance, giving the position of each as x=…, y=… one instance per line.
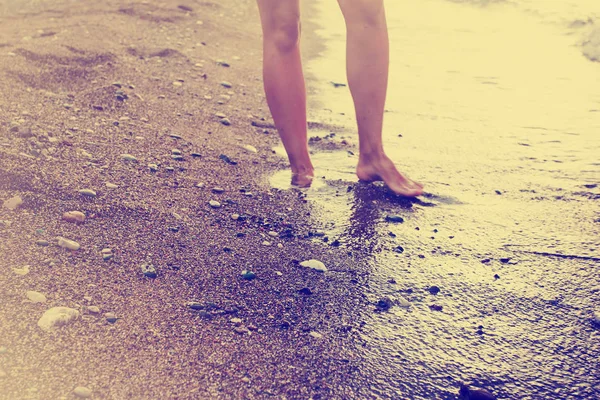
x=83, y=83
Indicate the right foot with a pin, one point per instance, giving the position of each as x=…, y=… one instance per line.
x=383, y=169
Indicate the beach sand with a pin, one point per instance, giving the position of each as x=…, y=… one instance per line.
x=84, y=84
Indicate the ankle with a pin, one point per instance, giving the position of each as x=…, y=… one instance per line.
x=371, y=155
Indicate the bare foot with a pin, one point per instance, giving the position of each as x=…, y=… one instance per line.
x=302, y=180
x=383, y=169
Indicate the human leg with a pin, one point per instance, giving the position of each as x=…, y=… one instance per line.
x=367, y=64
x=284, y=81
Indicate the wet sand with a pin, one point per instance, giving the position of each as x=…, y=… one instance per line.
x=84, y=84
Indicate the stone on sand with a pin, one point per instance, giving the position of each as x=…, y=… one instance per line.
x=74, y=216
x=57, y=316
x=82, y=392
x=128, y=157
x=214, y=204
x=249, y=148
x=68, y=244
x=87, y=192
x=13, y=203
x=314, y=264
x=36, y=297
x=21, y=271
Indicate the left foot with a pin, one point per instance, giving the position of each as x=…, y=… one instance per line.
x=383, y=169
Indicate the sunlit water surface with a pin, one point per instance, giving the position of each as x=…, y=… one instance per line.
x=499, y=116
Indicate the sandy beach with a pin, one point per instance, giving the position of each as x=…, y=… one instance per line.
x=180, y=262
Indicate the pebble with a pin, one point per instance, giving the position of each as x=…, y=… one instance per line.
x=176, y=152
x=236, y=320
x=111, y=185
x=225, y=121
x=110, y=317
x=149, y=270
x=177, y=84
x=128, y=157
x=93, y=309
x=57, y=316
x=196, y=155
x=87, y=192
x=240, y=329
x=222, y=63
x=235, y=216
x=394, y=218
x=177, y=157
x=153, y=167
x=314, y=264
x=402, y=302
x=214, y=204
x=273, y=233
x=36, y=297
x=226, y=84
x=194, y=305
x=13, y=203
x=248, y=275
x=21, y=271
x=280, y=245
x=249, y=148
x=74, y=216
x=474, y=393
x=384, y=304
x=316, y=335
x=42, y=243
x=200, y=185
x=434, y=290
x=220, y=115
x=68, y=244
x=82, y=392
x=266, y=243
x=218, y=190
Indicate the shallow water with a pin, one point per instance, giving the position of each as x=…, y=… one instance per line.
x=499, y=113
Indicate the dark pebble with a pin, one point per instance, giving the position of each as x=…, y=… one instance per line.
x=392, y=281
x=394, y=218
x=485, y=261
x=498, y=192
x=392, y=234
x=474, y=393
x=496, y=276
x=227, y=159
x=305, y=291
x=384, y=304
x=435, y=307
x=399, y=249
x=434, y=290
x=505, y=260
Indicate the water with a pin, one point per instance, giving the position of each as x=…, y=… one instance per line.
x=499, y=112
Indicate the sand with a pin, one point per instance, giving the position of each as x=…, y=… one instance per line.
x=97, y=96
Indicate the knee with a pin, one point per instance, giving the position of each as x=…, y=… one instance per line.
x=363, y=13
x=284, y=32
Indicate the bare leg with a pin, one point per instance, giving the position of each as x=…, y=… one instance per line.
x=284, y=82
x=367, y=61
